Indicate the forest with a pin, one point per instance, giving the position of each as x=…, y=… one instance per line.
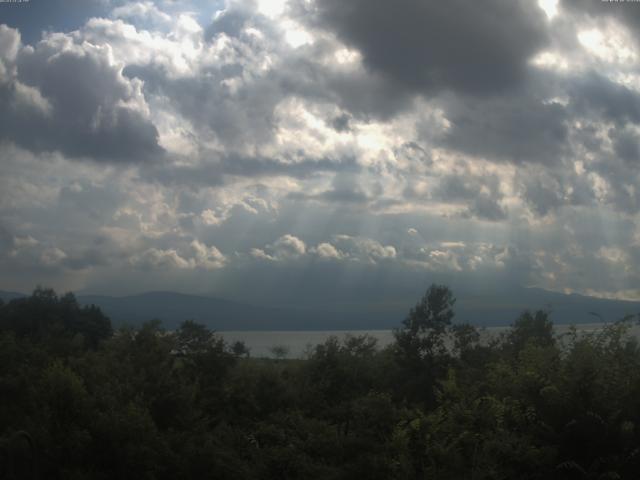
x=80, y=400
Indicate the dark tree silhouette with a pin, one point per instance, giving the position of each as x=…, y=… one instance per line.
x=80, y=402
x=420, y=343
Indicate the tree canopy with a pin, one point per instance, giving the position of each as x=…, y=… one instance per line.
x=80, y=401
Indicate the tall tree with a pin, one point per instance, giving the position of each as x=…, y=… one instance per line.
x=420, y=343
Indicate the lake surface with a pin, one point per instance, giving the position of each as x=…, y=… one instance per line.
x=298, y=343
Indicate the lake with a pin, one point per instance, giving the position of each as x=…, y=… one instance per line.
x=299, y=342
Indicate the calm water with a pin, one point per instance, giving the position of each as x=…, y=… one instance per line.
x=298, y=343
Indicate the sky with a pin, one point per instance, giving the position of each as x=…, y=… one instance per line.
x=317, y=152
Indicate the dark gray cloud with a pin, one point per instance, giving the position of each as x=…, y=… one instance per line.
x=341, y=123
x=543, y=195
x=593, y=95
x=625, y=197
x=626, y=144
x=621, y=176
x=364, y=94
x=482, y=194
x=427, y=46
x=550, y=121
x=516, y=128
x=219, y=169
x=547, y=190
x=345, y=190
x=414, y=153
x=70, y=97
x=486, y=208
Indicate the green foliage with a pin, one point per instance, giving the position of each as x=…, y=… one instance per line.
x=422, y=333
x=420, y=348
x=58, y=322
x=78, y=401
x=531, y=328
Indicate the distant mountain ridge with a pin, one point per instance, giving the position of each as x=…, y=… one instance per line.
x=8, y=296
x=486, y=309
x=173, y=308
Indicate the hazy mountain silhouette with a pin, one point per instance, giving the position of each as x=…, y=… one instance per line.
x=8, y=296
x=479, y=308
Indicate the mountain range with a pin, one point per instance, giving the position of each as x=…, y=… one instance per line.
x=485, y=309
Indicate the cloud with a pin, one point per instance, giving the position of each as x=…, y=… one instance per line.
x=70, y=96
x=345, y=189
x=157, y=258
x=200, y=256
x=356, y=148
x=624, y=12
x=219, y=169
x=9, y=45
x=341, y=247
x=515, y=128
x=447, y=257
x=145, y=12
x=341, y=123
x=594, y=95
x=26, y=252
x=52, y=256
x=626, y=144
x=225, y=88
x=364, y=249
x=481, y=193
x=207, y=257
x=327, y=251
x=287, y=247
x=429, y=46
x=542, y=194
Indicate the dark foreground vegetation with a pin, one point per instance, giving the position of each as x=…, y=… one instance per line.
x=79, y=401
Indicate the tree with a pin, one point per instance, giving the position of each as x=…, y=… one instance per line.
x=240, y=349
x=194, y=338
x=423, y=332
x=534, y=328
x=420, y=343
x=280, y=352
x=57, y=321
x=465, y=338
